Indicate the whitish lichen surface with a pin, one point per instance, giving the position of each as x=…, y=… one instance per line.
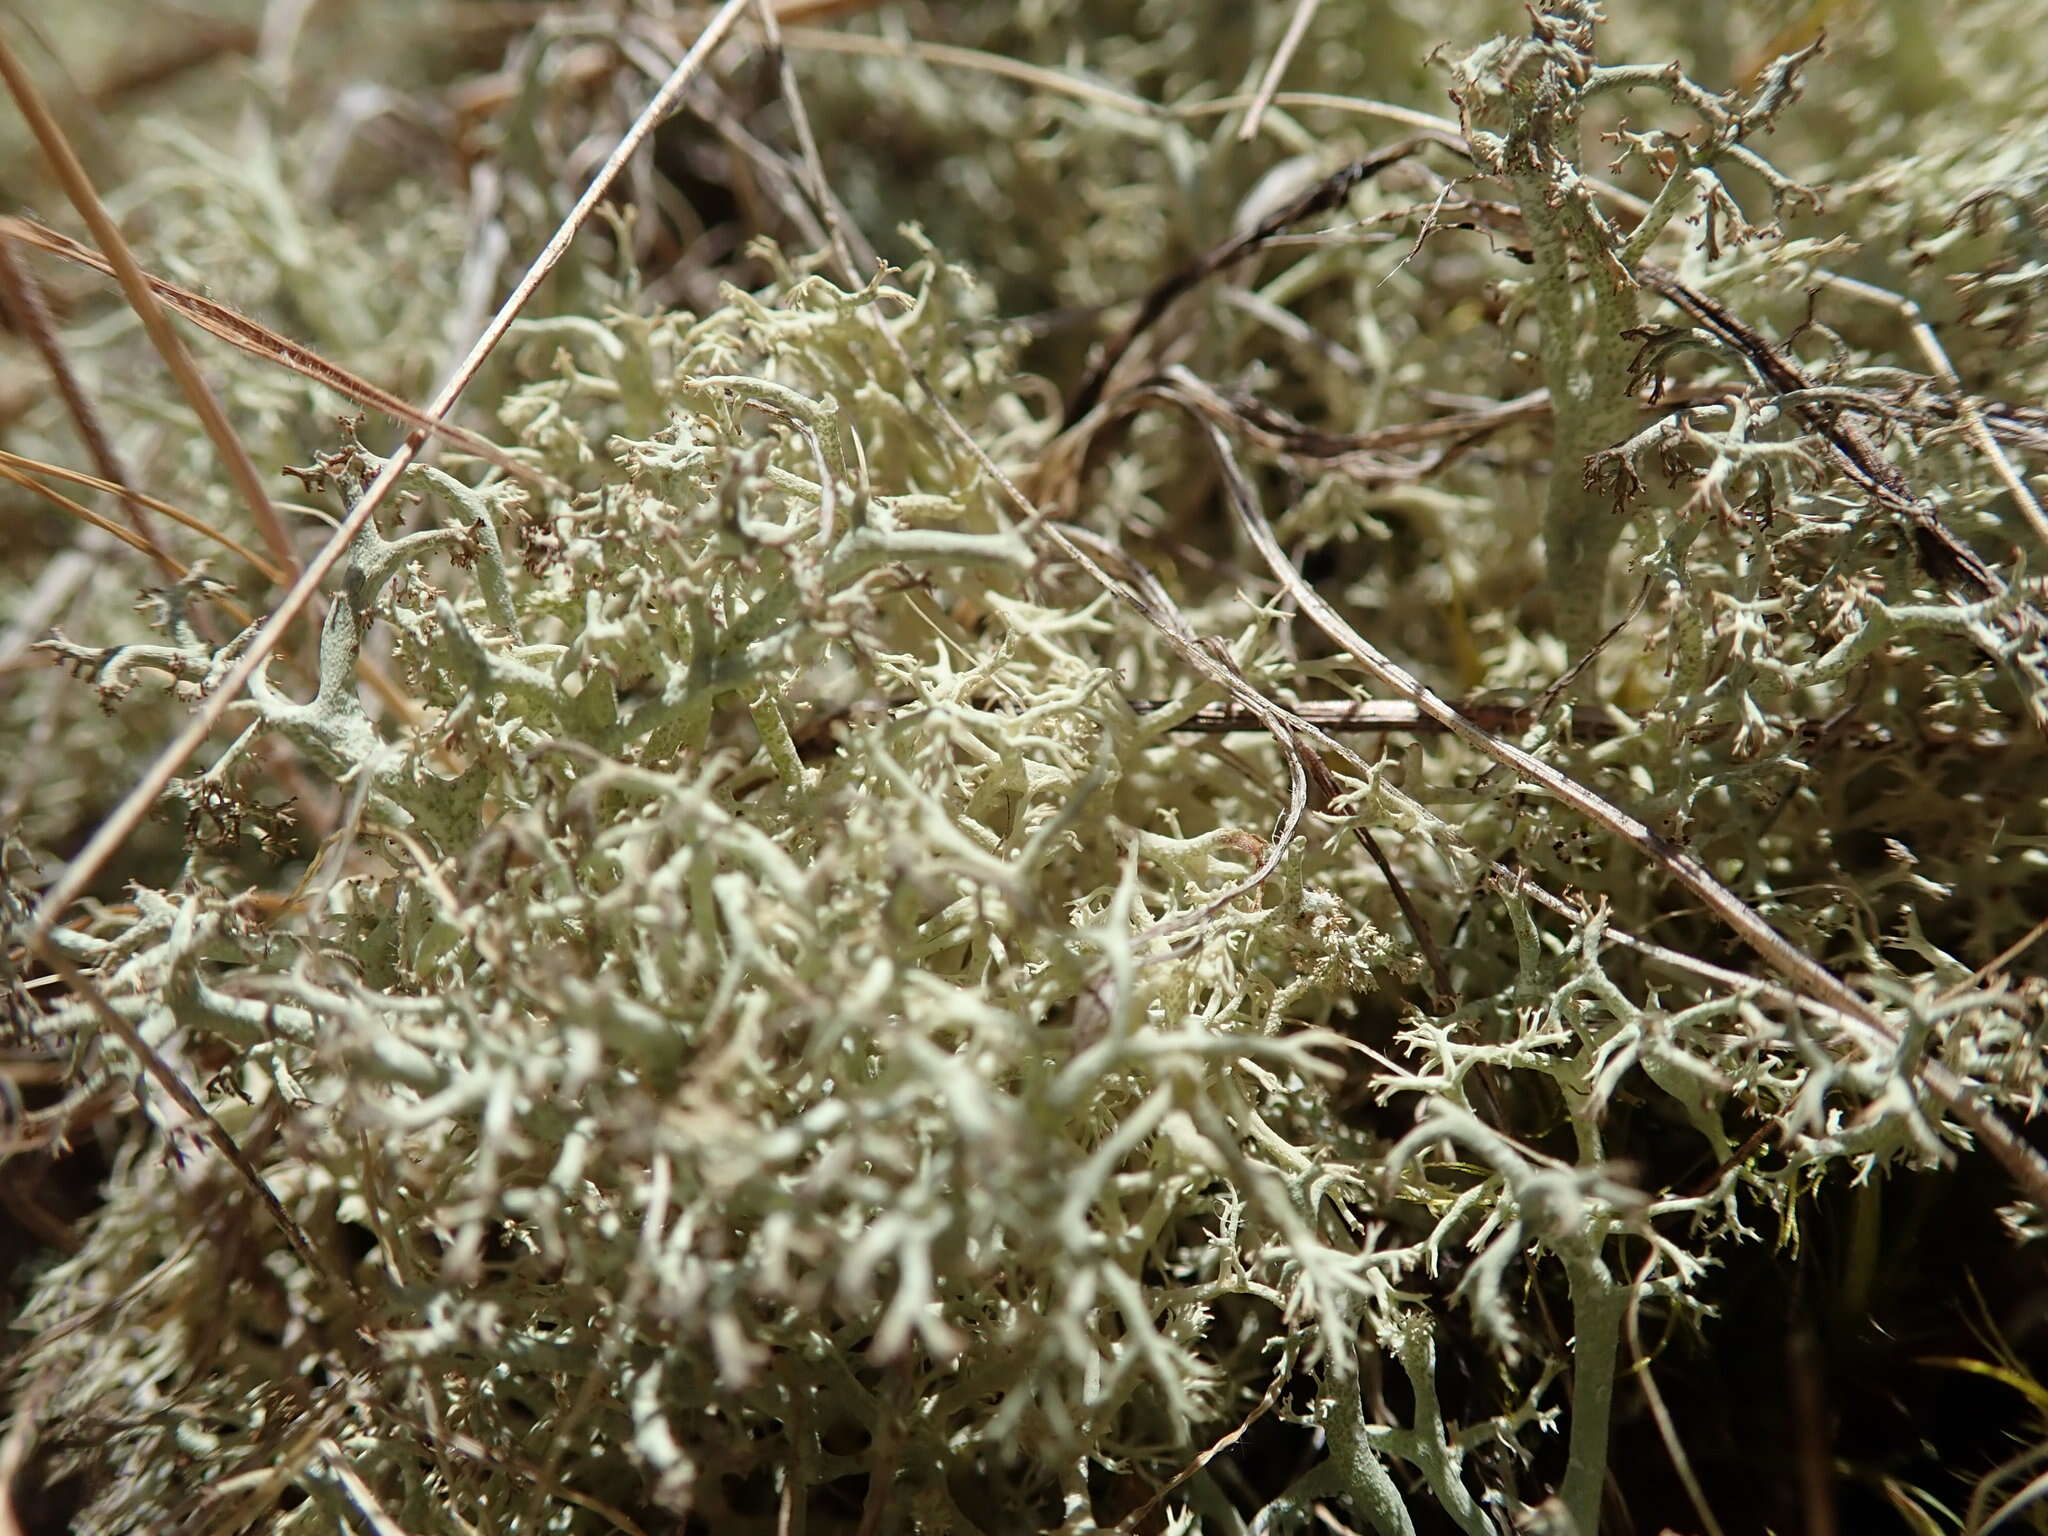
x=789, y=1026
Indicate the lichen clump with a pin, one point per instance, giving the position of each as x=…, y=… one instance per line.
x=777, y=925
x=793, y=1027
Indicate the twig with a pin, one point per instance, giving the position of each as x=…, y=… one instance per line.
x=1425, y=936
x=1947, y=558
x=1141, y=590
x=1380, y=715
x=812, y=40
x=1937, y=359
x=1328, y=193
x=2026, y=1166
x=1752, y=1144
x=856, y=257
x=1260, y=1409
x=2004, y=957
x=1363, y=452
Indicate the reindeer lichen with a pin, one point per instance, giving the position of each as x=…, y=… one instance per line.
x=753, y=935
x=830, y=992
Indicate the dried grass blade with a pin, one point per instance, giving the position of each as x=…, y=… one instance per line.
x=14, y=461
x=71, y=173
x=86, y=515
x=258, y=340
x=23, y=298
x=1276, y=70
x=948, y=55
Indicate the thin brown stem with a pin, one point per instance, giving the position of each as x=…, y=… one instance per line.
x=167, y=1078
